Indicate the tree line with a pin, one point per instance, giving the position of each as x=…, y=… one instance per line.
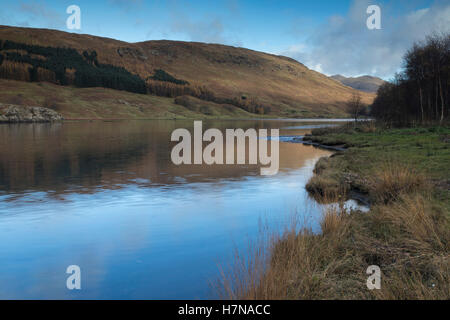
x=173, y=90
x=88, y=72
x=161, y=75
x=66, y=66
x=421, y=92
x=164, y=84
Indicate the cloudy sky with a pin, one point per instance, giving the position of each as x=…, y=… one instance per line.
x=329, y=36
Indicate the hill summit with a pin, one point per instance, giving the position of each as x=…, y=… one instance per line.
x=364, y=83
x=186, y=72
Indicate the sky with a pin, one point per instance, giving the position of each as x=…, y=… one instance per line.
x=329, y=36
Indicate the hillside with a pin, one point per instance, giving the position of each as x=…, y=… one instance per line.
x=364, y=83
x=222, y=76
x=103, y=103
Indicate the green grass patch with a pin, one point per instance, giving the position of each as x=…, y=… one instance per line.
x=425, y=151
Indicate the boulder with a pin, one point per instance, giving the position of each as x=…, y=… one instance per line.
x=16, y=114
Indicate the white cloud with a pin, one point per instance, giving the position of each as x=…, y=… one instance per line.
x=344, y=45
x=318, y=68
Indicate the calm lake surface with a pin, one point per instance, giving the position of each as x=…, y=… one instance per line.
x=105, y=196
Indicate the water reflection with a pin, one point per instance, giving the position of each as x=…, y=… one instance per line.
x=105, y=196
x=83, y=156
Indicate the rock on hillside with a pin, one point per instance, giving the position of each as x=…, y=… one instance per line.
x=15, y=114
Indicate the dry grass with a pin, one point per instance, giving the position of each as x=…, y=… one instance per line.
x=291, y=264
x=334, y=220
x=101, y=103
x=367, y=127
x=415, y=216
x=425, y=281
x=413, y=257
x=325, y=186
x=321, y=165
x=406, y=233
x=392, y=179
x=386, y=182
x=409, y=239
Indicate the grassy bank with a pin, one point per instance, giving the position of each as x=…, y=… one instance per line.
x=404, y=173
x=102, y=103
x=399, y=154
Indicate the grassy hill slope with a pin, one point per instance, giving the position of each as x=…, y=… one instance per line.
x=286, y=86
x=103, y=103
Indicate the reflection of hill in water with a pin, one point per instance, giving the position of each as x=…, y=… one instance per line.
x=82, y=156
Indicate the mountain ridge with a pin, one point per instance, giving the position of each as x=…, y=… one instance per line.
x=234, y=75
x=364, y=83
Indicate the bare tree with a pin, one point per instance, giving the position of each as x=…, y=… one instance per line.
x=421, y=93
x=355, y=106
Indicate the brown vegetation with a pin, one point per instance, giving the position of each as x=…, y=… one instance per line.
x=355, y=107
x=102, y=103
x=405, y=233
x=14, y=71
x=408, y=239
x=326, y=187
x=391, y=180
x=282, y=86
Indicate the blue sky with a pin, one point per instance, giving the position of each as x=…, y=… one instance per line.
x=328, y=36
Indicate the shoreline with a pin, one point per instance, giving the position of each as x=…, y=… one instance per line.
x=66, y=119
x=353, y=194
x=400, y=171
x=301, y=139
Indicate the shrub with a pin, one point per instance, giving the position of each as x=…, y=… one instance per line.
x=161, y=75
x=321, y=165
x=392, y=179
x=326, y=189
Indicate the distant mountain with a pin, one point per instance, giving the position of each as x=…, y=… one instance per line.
x=220, y=76
x=364, y=83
